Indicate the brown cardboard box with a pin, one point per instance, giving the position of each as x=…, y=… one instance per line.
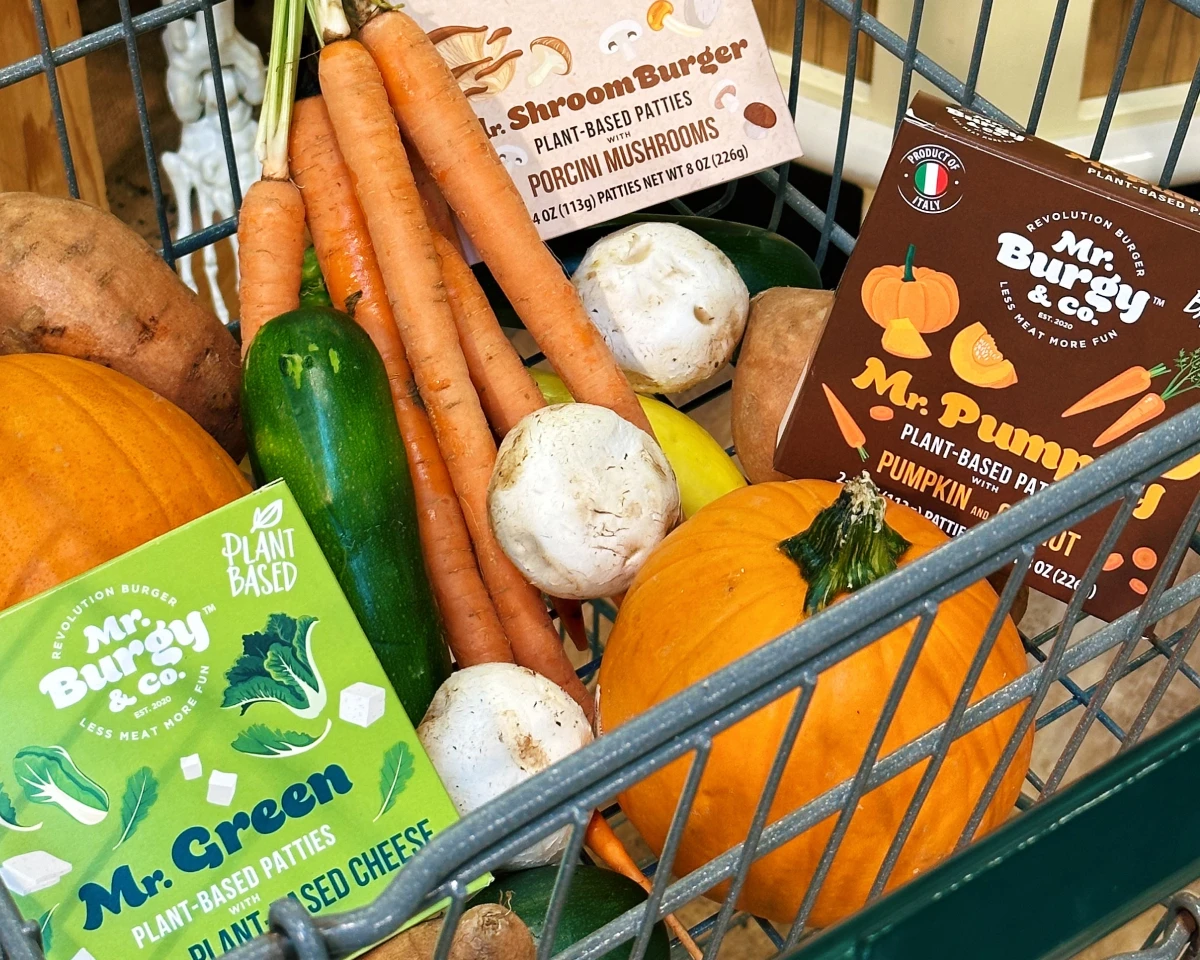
x=1036, y=277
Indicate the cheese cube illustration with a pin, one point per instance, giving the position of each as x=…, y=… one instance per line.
x=221, y=787
x=191, y=766
x=361, y=704
x=31, y=872
x=83, y=954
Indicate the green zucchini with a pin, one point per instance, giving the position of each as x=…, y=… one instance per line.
x=318, y=413
x=763, y=259
x=596, y=896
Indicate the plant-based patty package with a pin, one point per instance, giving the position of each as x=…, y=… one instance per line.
x=194, y=730
x=1011, y=312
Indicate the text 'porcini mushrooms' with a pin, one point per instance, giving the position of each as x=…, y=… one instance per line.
x=669, y=304
x=550, y=56
x=579, y=498
x=759, y=120
x=621, y=36
x=493, y=726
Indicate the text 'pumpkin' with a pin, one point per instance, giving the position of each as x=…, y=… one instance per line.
x=94, y=465
x=722, y=585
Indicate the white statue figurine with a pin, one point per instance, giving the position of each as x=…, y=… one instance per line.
x=199, y=167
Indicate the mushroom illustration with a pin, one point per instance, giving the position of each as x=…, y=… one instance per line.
x=474, y=57
x=701, y=13
x=759, y=119
x=622, y=35
x=512, y=156
x=550, y=56
x=724, y=96
x=661, y=14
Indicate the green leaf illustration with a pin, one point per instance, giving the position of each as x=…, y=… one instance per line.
x=8, y=814
x=141, y=790
x=47, y=929
x=277, y=666
x=49, y=775
x=259, y=740
x=394, y=775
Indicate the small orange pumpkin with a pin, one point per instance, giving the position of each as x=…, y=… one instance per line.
x=737, y=574
x=927, y=298
x=94, y=465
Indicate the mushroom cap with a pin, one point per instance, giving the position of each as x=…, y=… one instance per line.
x=474, y=57
x=495, y=76
x=551, y=47
x=492, y=726
x=630, y=30
x=721, y=89
x=701, y=13
x=669, y=304
x=760, y=115
x=579, y=498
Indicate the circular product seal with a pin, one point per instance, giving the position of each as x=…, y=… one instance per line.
x=984, y=127
x=931, y=178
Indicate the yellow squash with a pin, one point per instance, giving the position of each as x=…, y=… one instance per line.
x=702, y=468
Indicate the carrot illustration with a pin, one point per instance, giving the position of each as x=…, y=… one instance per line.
x=1145, y=410
x=1153, y=405
x=851, y=431
x=1126, y=384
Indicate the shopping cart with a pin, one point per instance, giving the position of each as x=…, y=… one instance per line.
x=1080, y=861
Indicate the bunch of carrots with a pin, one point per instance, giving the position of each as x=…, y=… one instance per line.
x=373, y=167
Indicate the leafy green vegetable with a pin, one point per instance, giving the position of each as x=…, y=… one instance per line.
x=312, y=282
x=277, y=666
x=141, y=790
x=394, y=775
x=8, y=813
x=47, y=929
x=259, y=740
x=49, y=775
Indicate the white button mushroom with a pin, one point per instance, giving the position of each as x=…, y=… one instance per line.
x=724, y=96
x=493, y=726
x=701, y=13
x=622, y=35
x=579, y=498
x=669, y=304
x=512, y=156
x=550, y=56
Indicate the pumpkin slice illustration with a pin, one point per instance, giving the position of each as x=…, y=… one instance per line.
x=974, y=357
x=901, y=339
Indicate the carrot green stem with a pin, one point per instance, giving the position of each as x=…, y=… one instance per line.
x=287, y=27
x=328, y=19
x=908, y=263
x=1158, y=370
x=848, y=546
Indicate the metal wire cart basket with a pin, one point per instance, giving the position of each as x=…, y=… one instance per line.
x=1090, y=851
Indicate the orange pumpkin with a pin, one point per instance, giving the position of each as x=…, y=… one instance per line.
x=927, y=298
x=94, y=465
x=722, y=585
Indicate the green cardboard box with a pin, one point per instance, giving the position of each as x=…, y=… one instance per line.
x=194, y=730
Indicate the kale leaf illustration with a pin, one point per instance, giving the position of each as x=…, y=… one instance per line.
x=394, y=775
x=49, y=775
x=277, y=666
x=141, y=790
x=8, y=814
x=259, y=740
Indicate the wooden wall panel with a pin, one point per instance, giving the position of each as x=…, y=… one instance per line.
x=826, y=34
x=1165, y=51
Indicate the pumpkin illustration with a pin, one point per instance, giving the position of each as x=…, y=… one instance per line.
x=926, y=300
x=737, y=574
x=94, y=465
x=975, y=358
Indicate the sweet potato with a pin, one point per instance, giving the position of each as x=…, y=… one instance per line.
x=74, y=280
x=486, y=932
x=784, y=328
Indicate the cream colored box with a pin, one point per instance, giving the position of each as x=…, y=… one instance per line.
x=603, y=108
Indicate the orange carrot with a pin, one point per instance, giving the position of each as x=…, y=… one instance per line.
x=1126, y=384
x=271, y=219
x=437, y=210
x=270, y=254
x=607, y=846
x=506, y=390
x=851, y=432
x=347, y=259
x=436, y=117
x=369, y=141
x=1145, y=410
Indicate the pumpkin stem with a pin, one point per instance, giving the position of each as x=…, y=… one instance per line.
x=848, y=546
x=908, y=263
